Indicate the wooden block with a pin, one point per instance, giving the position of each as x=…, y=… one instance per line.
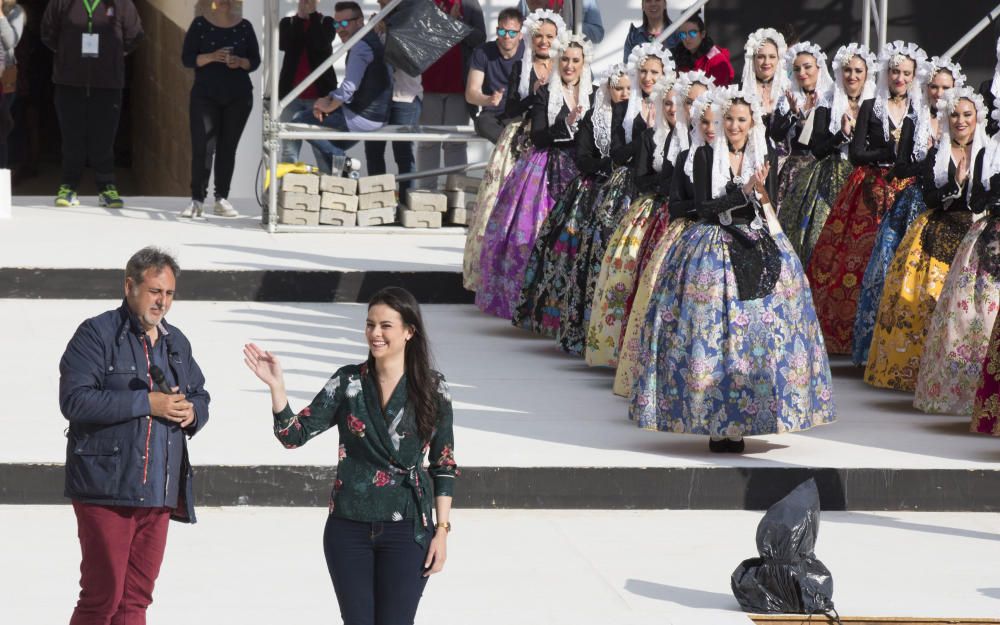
x=461, y=182
x=459, y=216
x=377, y=216
x=426, y=201
x=339, y=202
x=384, y=199
x=338, y=184
x=460, y=199
x=376, y=184
x=420, y=219
x=330, y=217
x=300, y=183
x=294, y=217
x=300, y=201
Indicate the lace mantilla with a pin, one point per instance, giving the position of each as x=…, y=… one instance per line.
x=585, y=84
x=635, y=61
x=755, y=154
x=681, y=140
x=708, y=101
x=824, y=82
x=601, y=117
x=892, y=54
x=528, y=28
x=659, y=94
x=945, y=107
x=939, y=63
x=756, y=39
x=839, y=103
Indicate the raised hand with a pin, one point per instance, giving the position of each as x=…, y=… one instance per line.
x=847, y=125
x=264, y=365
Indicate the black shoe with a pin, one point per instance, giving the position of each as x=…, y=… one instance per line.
x=735, y=447
x=718, y=446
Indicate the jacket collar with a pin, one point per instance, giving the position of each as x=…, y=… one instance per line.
x=129, y=322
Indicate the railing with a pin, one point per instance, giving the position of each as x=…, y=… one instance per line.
x=973, y=32
x=878, y=15
x=669, y=30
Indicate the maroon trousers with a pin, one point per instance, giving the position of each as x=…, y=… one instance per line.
x=122, y=550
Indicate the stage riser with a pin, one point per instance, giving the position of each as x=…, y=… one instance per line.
x=429, y=287
x=619, y=488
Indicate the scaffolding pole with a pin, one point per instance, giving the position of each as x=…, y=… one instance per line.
x=669, y=30
x=973, y=33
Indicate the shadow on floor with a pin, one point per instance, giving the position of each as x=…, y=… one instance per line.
x=689, y=597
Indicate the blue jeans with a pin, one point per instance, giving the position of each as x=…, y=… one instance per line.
x=377, y=570
x=290, y=148
x=325, y=149
x=400, y=114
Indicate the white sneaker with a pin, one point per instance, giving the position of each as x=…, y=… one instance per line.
x=194, y=209
x=224, y=209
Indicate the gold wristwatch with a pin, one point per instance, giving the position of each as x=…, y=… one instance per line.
x=445, y=525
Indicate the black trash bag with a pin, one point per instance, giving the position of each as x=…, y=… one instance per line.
x=418, y=34
x=786, y=578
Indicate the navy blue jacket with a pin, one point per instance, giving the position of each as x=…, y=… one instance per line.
x=116, y=454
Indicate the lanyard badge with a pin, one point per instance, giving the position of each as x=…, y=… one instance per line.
x=90, y=43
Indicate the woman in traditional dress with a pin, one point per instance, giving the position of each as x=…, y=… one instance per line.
x=548, y=270
x=543, y=28
x=806, y=205
x=892, y=133
x=919, y=269
x=895, y=223
x=732, y=346
x=617, y=278
x=986, y=410
x=951, y=367
x=703, y=113
x=647, y=63
x=765, y=74
x=540, y=177
x=795, y=121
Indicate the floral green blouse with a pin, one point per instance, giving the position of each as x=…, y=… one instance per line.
x=380, y=472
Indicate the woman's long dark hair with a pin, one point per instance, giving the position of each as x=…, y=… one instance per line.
x=421, y=381
x=685, y=58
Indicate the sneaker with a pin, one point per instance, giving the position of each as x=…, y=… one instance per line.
x=224, y=209
x=66, y=196
x=193, y=210
x=109, y=197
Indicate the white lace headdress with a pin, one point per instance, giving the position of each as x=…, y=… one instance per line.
x=839, y=104
x=755, y=150
x=659, y=94
x=528, y=28
x=945, y=107
x=708, y=101
x=680, y=140
x=601, y=117
x=892, y=54
x=556, y=99
x=635, y=61
x=754, y=42
x=991, y=162
x=824, y=82
x=995, y=85
x=939, y=63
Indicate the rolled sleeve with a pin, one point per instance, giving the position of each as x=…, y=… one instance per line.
x=443, y=469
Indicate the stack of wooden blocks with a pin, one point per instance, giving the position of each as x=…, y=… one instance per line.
x=313, y=200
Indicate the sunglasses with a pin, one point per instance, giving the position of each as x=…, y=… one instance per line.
x=501, y=32
x=341, y=24
x=687, y=33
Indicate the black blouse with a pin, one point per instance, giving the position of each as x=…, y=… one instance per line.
x=589, y=160
x=936, y=197
x=647, y=179
x=515, y=106
x=543, y=135
x=870, y=147
x=623, y=152
x=217, y=79
x=822, y=142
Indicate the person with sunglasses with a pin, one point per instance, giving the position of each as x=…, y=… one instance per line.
x=361, y=102
x=698, y=51
x=489, y=73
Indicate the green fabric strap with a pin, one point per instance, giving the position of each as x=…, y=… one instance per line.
x=90, y=5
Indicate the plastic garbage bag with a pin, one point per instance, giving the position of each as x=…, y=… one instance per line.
x=418, y=34
x=787, y=577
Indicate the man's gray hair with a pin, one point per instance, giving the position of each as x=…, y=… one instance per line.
x=150, y=258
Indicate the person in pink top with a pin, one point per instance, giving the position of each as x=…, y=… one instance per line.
x=698, y=52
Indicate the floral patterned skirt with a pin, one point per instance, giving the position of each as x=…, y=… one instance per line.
x=912, y=288
x=986, y=410
x=807, y=203
x=613, y=202
x=525, y=199
x=713, y=364
x=895, y=225
x=616, y=282
x=551, y=261
x=959, y=335
x=791, y=170
x=843, y=249
x=502, y=160
x=628, y=356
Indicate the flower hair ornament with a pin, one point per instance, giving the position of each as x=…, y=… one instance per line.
x=945, y=107
x=530, y=26
x=680, y=140
x=660, y=92
x=601, y=117
x=640, y=54
x=839, y=102
x=706, y=102
x=944, y=63
x=824, y=82
x=754, y=43
x=586, y=82
x=755, y=150
x=891, y=56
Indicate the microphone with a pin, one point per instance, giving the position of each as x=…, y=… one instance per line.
x=159, y=380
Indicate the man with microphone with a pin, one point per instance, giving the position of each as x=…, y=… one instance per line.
x=133, y=394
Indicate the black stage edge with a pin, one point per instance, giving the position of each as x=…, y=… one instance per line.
x=695, y=488
x=429, y=287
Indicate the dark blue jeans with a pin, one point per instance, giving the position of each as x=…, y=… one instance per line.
x=324, y=147
x=400, y=114
x=377, y=570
